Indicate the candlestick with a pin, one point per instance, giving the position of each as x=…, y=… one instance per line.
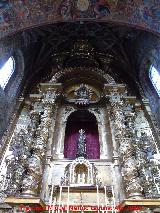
x=114, y=204
x=106, y=200
x=62, y=207
x=53, y=205
x=98, y=198
x=102, y=208
x=60, y=197
x=68, y=201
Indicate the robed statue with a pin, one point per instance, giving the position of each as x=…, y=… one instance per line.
x=81, y=144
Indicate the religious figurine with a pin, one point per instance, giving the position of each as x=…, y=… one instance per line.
x=81, y=144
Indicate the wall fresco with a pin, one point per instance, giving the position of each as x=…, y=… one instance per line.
x=20, y=14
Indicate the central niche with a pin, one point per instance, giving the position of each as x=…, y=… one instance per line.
x=82, y=119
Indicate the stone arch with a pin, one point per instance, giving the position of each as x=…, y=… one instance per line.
x=66, y=112
x=97, y=71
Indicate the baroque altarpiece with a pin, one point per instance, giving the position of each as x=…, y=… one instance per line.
x=81, y=139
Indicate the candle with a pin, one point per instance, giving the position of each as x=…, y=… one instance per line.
x=98, y=198
x=106, y=200
x=114, y=205
x=62, y=207
x=60, y=197
x=53, y=206
x=102, y=208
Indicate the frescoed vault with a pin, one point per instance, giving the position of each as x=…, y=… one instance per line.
x=18, y=15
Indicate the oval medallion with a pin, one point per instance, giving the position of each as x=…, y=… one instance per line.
x=82, y=5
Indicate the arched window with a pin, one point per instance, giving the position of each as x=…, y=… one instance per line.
x=154, y=76
x=6, y=72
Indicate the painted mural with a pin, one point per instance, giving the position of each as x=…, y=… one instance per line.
x=20, y=14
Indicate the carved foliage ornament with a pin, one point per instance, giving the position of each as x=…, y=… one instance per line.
x=82, y=70
x=148, y=167
x=50, y=97
x=17, y=162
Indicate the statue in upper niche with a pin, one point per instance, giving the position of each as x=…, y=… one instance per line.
x=81, y=144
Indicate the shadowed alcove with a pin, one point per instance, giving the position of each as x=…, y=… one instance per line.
x=82, y=119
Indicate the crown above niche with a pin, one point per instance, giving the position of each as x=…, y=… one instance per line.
x=82, y=94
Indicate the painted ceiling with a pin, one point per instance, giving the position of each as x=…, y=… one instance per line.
x=18, y=15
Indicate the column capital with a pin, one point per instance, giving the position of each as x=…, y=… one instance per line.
x=116, y=159
x=145, y=101
x=50, y=92
x=35, y=98
x=114, y=92
x=138, y=107
x=130, y=99
x=110, y=88
x=54, y=87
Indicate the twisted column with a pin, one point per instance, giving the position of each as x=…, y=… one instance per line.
x=127, y=152
x=17, y=162
x=32, y=178
x=41, y=119
x=122, y=117
x=47, y=120
x=45, y=127
x=146, y=147
x=50, y=93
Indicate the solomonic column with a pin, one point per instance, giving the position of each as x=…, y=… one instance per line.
x=122, y=117
x=31, y=178
x=41, y=121
x=115, y=93
x=130, y=172
x=146, y=153
x=50, y=92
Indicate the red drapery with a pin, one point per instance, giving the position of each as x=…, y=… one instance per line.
x=92, y=139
